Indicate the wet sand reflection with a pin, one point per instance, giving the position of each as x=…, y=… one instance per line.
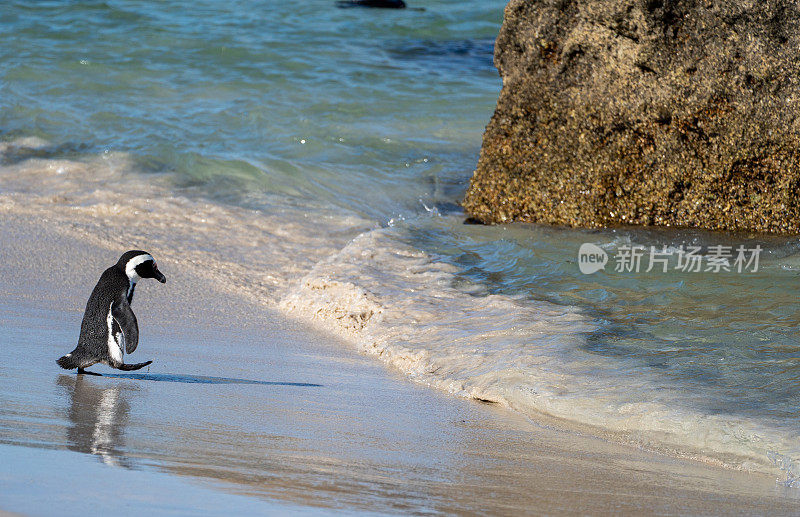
x=98, y=417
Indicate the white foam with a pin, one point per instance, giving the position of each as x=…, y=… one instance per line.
x=397, y=303
x=391, y=300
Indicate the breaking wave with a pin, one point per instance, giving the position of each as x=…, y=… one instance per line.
x=410, y=308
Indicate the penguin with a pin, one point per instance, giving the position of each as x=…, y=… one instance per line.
x=109, y=328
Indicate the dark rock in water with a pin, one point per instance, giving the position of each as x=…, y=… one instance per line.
x=446, y=56
x=651, y=112
x=14, y=154
x=385, y=4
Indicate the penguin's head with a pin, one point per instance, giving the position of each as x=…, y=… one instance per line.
x=140, y=264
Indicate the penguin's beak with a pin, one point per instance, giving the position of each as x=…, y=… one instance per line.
x=160, y=277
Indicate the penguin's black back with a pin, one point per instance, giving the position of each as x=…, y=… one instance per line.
x=112, y=287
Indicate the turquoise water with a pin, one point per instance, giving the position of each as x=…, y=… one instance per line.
x=300, y=98
x=379, y=113
x=734, y=337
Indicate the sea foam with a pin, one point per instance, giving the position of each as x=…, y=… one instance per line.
x=405, y=306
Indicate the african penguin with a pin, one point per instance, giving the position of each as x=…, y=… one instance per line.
x=109, y=327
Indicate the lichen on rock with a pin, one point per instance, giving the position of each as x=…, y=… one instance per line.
x=647, y=112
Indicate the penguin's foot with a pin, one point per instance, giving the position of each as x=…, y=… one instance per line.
x=131, y=367
x=81, y=371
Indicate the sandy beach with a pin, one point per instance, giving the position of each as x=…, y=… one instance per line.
x=336, y=335
x=244, y=408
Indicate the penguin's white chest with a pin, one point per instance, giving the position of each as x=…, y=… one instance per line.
x=116, y=339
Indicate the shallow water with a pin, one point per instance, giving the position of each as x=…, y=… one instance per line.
x=317, y=156
x=311, y=433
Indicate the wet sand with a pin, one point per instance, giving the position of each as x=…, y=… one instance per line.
x=244, y=409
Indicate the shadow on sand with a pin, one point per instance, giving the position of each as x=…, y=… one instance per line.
x=199, y=379
x=98, y=412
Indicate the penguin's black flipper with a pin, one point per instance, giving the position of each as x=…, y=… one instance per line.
x=126, y=319
x=131, y=367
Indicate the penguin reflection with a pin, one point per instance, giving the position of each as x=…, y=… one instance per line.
x=98, y=416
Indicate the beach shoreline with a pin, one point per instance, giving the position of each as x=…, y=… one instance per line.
x=369, y=439
x=334, y=335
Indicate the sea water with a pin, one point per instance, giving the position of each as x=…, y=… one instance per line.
x=315, y=157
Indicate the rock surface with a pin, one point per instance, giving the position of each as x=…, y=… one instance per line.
x=651, y=112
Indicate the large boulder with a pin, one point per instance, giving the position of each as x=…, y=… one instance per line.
x=652, y=112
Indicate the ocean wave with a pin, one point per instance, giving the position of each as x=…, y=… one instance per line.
x=401, y=305
x=392, y=300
